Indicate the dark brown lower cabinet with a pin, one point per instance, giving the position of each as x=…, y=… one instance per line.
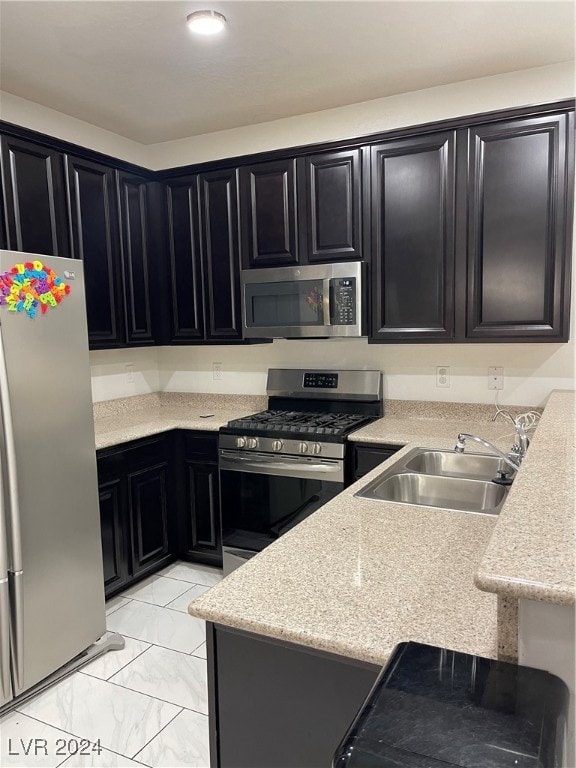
x=199, y=512
x=203, y=513
x=137, y=510
x=364, y=457
x=149, y=516
x=112, y=501
x=274, y=704
x=159, y=499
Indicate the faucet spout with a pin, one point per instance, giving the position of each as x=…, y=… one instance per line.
x=461, y=444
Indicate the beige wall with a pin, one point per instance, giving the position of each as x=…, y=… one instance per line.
x=13, y=109
x=531, y=370
x=530, y=86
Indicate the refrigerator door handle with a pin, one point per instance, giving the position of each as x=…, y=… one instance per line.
x=12, y=512
x=5, y=624
x=17, y=627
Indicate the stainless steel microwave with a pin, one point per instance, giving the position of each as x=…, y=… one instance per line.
x=313, y=301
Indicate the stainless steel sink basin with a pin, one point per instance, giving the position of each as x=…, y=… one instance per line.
x=443, y=479
x=433, y=491
x=473, y=466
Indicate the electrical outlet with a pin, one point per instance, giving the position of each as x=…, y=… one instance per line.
x=496, y=378
x=217, y=371
x=443, y=376
x=129, y=373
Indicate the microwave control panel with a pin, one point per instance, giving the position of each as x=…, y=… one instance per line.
x=343, y=304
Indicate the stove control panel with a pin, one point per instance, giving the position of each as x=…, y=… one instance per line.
x=289, y=447
x=320, y=380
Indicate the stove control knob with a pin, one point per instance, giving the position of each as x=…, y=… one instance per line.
x=277, y=445
x=302, y=447
x=240, y=442
x=315, y=448
x=252, y=442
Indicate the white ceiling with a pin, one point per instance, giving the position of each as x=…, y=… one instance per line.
x=133, y=67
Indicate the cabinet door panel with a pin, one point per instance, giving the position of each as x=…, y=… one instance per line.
x=413, y=238
x=35, y=197
x=112, y=522
x=94, y=217
x=220, y=253
x=269, y=213
x=203, y=509
x=149, y=513
x=517, y=233
x=333, y=205
x=367, y=456
x=185, y=269
x=136, y=258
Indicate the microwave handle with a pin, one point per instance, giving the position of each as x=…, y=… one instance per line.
x=327, y=300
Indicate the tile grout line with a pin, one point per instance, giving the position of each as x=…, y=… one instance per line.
x=107, y=679
x=118, y=606
x=150, y=696
x=165, y=647
x=117, y=685
x=159, y=732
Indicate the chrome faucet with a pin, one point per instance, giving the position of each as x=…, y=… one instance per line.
x=461, y=444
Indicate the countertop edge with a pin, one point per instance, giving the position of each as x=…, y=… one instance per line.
x=518, y=589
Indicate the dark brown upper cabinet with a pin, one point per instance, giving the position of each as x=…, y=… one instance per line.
x=186, y=323
x=412, y=225
x=35, y=198
x=138, y=275
x=95, y=240
x=204, y=257
x=220, y=245
x=517, y=211
x=269, y=214
x=331, y=214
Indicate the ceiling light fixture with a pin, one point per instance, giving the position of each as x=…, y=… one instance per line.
x=206, y=22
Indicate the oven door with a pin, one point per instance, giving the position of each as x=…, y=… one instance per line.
x=263, y=496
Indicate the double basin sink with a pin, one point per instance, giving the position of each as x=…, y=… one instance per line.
x=456, y=481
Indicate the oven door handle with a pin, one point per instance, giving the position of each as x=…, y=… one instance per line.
x=275, y=467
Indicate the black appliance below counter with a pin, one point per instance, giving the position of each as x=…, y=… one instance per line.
x=435, y=708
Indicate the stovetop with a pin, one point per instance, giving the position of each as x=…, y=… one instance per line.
x=294, y=424
x=309, y=413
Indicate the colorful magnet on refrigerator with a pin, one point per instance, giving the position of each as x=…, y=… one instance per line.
x=30, y=285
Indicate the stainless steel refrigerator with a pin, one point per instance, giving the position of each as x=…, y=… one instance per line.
x=51, y=578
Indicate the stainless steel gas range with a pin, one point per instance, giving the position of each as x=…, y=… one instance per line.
x=280, y=465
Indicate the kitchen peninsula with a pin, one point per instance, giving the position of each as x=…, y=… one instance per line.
x=360, y=576
x=339, y=591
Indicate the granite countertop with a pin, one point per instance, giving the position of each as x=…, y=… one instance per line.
x=359, y=576
x=532, y=553
x=131, y=418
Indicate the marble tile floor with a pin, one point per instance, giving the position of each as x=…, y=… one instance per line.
x=147, y=704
